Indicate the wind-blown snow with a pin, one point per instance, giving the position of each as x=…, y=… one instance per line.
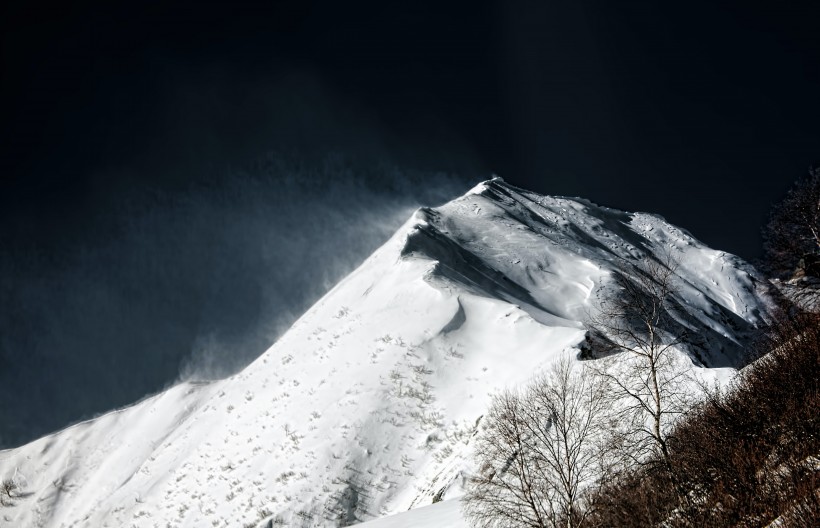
x=367, y=405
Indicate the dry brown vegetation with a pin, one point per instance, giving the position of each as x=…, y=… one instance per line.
x=747, y=456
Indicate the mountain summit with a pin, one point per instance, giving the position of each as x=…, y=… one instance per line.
x=367, y=406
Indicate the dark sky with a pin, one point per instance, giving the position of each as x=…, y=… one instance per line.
x=704, y=113
x=181, y=179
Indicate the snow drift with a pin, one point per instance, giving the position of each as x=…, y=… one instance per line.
x=367, y=405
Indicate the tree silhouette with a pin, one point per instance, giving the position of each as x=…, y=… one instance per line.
x=791, y=238
x=539, y=451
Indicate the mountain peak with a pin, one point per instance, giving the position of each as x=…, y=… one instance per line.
x=368, y=404
x=547, y=254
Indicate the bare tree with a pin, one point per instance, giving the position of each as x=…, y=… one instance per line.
x=647, y=388
x=791, y=238
x=539, y=450
x=791, y=243
x=747, y=454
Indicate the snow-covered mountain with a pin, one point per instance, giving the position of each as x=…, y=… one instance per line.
x=367, y=405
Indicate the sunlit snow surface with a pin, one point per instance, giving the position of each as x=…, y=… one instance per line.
x=446, y=514
x=367, y=406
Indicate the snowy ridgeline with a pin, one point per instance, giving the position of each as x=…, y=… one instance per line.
x=367, y=406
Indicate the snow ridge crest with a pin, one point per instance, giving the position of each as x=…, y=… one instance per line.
x=368, y=404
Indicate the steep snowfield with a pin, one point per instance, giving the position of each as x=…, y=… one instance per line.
x=367, y=405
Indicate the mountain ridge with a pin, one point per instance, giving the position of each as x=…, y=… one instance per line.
x=367, y=405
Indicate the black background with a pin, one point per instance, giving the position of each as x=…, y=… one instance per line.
x=181, y=179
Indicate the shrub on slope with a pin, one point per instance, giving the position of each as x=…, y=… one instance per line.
x=748, y=456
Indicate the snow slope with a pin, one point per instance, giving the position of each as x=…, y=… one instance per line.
x=367, y=405
x=445, y=514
